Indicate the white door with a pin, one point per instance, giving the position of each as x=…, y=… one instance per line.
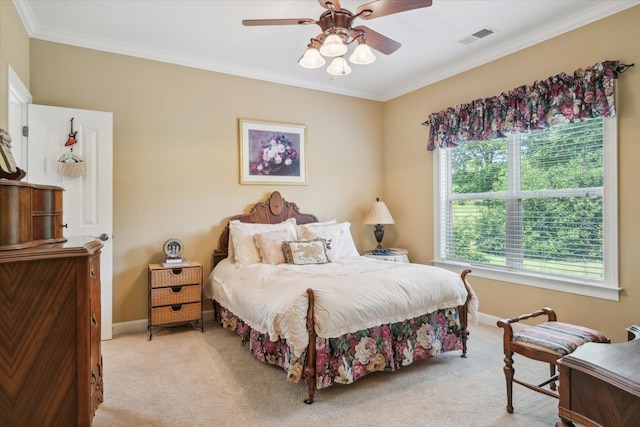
x=19, y=99
x=87, y=199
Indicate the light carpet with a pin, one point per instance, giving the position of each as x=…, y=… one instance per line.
x=184, y=377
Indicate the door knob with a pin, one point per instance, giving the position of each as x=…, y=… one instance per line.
x=104, y=237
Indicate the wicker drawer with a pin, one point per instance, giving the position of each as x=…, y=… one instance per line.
x=175, y=295
x=176, y=276
x=175, y=313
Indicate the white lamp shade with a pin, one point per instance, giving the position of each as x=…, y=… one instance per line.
x=339, y=67
x=362, y=55
x=311, y=58
x=333, y=46
x=378, y=214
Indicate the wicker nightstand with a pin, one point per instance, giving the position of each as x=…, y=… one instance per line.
x=396, y=255
x=175, y=295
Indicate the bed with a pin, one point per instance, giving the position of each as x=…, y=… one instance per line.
x=330, y=322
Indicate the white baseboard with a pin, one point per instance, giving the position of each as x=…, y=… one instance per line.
x=137, y=326
x=489, y=320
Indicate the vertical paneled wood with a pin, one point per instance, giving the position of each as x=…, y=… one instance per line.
x=46, y=335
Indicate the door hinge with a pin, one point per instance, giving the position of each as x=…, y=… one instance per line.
x=25, y=130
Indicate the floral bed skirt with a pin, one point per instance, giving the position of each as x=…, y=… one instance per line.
x=351, y=356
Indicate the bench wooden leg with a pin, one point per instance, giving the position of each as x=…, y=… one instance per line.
x=552, y=371
x=508, y=374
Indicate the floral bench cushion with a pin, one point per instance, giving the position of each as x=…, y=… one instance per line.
x=557, y=337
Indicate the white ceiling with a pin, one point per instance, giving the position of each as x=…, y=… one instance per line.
x=208, y=34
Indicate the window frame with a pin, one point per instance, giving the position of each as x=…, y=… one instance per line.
x=608, y=288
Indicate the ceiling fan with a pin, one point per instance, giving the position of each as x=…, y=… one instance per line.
x=338, y=32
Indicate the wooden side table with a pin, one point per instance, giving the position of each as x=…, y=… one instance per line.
x=609, y=371
x=396, y=255
x=175, y=295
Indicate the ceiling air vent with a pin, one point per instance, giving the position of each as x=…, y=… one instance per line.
x=476, y=36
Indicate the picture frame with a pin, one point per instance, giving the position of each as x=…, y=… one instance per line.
x=272, y=153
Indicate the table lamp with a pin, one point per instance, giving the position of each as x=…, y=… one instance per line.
x=378, y=215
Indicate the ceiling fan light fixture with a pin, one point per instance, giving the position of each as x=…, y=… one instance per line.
x=338, y=32
x=339, y=67
x=362, y=54
x=311, y=58
x=333, y=46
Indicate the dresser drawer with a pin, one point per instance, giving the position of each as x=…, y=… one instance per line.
x=176, y=276
x=175, y=313
x=175, y=295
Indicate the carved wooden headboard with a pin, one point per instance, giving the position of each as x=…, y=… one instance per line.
x=272, y=211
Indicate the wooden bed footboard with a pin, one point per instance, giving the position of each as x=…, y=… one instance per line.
x=310, y=368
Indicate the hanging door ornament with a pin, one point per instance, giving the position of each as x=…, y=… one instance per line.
x=69, y=164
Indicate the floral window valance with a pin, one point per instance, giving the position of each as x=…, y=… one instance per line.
x=563, y=98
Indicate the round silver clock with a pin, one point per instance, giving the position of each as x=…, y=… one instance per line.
x=173, y=248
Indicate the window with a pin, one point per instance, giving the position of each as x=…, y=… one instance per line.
x=536, y=208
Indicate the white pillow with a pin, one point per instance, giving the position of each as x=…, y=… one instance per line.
x=270, y=245
x=347, y=245
x=231, y=253
x=241, y=234
x=338, y=236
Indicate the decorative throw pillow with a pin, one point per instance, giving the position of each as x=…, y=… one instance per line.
x=270, y=245
x=330, y=234
x=241, y=234
x=305, y=252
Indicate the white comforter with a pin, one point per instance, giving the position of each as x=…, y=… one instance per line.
x=350, y=294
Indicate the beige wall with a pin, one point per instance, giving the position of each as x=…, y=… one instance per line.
x=176, y=152
x=14, y=52
x=407, y=162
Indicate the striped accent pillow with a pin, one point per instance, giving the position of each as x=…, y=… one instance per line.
x=557, y=337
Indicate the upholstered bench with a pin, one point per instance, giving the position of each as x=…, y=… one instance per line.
x=546, y=342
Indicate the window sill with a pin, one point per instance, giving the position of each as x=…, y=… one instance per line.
x=537, y=281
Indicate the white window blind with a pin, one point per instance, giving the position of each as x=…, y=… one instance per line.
x=536, y=205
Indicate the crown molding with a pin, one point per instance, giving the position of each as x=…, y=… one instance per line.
x=590, y=15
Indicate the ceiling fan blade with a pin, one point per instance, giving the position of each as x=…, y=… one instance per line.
x=292, y=21
x=377, y=41
x=387, y=7
x=326, y=4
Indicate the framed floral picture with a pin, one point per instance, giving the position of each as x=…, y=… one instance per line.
x=272, y=153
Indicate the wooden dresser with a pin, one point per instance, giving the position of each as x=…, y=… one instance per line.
x=50, y=354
